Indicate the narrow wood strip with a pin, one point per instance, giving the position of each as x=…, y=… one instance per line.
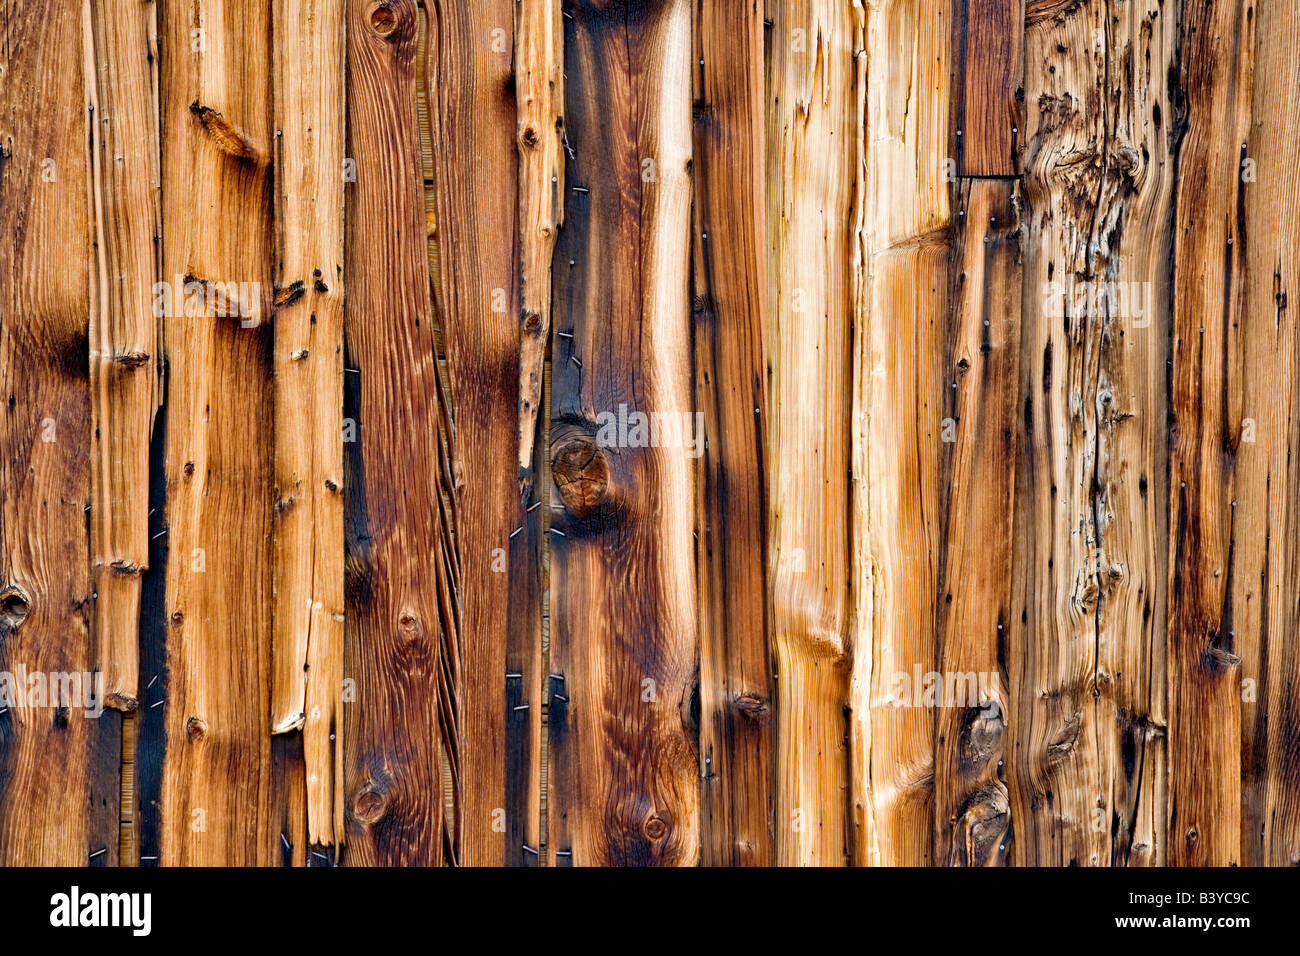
x=393, y=522
x=46, y=229
x=1266, y=527
x=900, y=306
x=736, y=692
x=1209, y=367
x=307, y=644
x=624, y=778
x=128, y=846
x=104, y=777
x=539, y=90
x=124, y=334
x=217, y=144
x=973, y=824
x=472, y=125
x=987, y=58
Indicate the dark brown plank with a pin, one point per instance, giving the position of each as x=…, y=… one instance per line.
x=623, y=771
x=986, y=84
x=1205, y=710
x=393, y=522
x=736, y=704
x=973, y=823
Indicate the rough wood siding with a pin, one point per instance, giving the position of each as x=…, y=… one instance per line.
x=900, y=276
x=307, y=651
x=892, y=403
x=973, y=823
x=813, y=170
x=217, y=142
x=539, y=129
x=1087, y=632
x=1207, y=424
x=1265, y=609
x=122, y=88
x=46, y=275
x=727, y=288
x=393, y=519
x=472, y=122
x=623, y=765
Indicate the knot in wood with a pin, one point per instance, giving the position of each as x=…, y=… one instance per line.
x=581, y=474
x=14, y=608
x=411, y=626
x=753, y=707
x=655, y=828
x=382, y=19
x=370, y=805
x=196, y=728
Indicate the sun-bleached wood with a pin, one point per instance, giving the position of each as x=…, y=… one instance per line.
x=307, y=642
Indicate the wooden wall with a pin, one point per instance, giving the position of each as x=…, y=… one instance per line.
x=967, y=532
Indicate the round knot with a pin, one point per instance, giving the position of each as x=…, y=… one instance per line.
x=581, y=474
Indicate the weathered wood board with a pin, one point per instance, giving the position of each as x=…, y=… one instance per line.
x=649, y=432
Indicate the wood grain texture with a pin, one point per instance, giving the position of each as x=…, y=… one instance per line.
x=813, y=166
x=736, y=689
x=1086, y=737
x=395, y=593
x=1265, y=566
x=472, y=124
x=217, y=247
x=307, y=643
x=46, y=228
x=1131, y=494
x=623, y=768
x=1210, y=290
x=539, y=93
x=986, y=94
x=900, y=277
x=540, y=133
x=122, y=90
x=973, y=823
x=46, y=648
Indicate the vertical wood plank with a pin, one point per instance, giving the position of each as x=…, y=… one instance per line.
x=736, y=693
x=900, y=310
x=623, y=766
x=1265, y=563
x=973, y=824
x=124, y=333
x=473, y=120
x=813, y=166
x=1205, y=713
x=986, y=92
x=1085, y=737
x=307, y=644
x=217, y=256
x=1131, y=492
x=395, y=580
x=46, y=228
x=539, y=91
